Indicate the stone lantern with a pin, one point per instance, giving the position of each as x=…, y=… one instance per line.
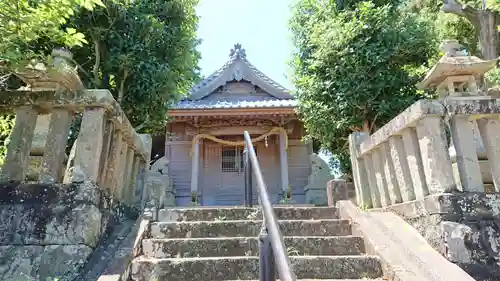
x=458, y=75
x=58, y=75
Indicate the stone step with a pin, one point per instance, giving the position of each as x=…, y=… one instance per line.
x=364, y=279
x=245, y=228
x=249, y=246
x=247, y=268
x=239, y=213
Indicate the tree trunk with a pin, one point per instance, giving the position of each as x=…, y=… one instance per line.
x=485, y=22
x=488, y=34
x=366, y=126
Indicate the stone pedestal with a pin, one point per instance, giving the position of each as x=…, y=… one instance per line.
x=463, y=227
x=338, y=190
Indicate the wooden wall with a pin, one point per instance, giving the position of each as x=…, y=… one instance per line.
x=211, y=178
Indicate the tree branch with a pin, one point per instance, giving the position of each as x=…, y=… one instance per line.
x=95, y=70
x=121, y=90
x=142, y=124
x=470, y=13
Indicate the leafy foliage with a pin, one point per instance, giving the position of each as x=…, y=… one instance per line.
x=6, y=125
x=143, y=52
x=24, y=22
x=356, y=68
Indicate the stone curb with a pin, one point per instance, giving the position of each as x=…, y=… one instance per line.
x=404, y=253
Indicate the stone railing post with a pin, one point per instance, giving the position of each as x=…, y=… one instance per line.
x=390, y=174
x=55, y=145
x=360, y=177
x=113, y=180
x=128, y=176
x=372, y=181
x=120, y=175
x=18, y=149
x=106, y=155
x=337, y=190
x=401, y=169
x=415, y=163
x=489, y=129
x=380, y=179
x=435, y=156
x=466, y=154
x=90, y=142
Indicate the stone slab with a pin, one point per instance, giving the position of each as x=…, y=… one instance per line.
x=248, y=228
x=239, y=213
x=249, y=246
x=470, y=204
x=404, y=254
x=241, y=268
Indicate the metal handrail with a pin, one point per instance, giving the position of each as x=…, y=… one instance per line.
x=271, y=234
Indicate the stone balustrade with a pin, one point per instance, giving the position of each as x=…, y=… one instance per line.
x=432, y=147
x=108, y=152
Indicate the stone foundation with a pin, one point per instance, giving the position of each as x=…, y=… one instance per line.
x=463, y=227
x=49, y=231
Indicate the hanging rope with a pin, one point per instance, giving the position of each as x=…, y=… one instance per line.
x=273, y=131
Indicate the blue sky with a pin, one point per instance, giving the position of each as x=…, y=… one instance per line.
x=261, y=26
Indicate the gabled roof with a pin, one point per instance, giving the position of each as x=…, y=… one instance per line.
x=238, y=68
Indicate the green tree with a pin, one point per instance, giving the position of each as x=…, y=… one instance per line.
x=144, y=52
x=355, y=68
x=23, y=23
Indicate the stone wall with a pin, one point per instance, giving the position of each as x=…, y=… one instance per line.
x=48, y=231
x=463, y=227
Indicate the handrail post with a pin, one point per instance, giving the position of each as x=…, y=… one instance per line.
x=267, y=270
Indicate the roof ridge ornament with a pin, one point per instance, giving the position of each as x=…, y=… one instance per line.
x=238, y=51
x=452, y=48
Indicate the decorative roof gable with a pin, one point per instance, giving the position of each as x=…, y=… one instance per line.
x=238, y=68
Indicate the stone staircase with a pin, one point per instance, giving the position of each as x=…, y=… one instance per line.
x=221, y=244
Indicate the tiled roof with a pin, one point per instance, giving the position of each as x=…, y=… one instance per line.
x=237, y=56
x=218, y=104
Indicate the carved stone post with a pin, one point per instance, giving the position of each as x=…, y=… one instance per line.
x=16, y=160
x=415, y=163
x=360, y=177
x=89, y=144
x=128, y=177
x=55, y=148
x=401, y=168
x=435, y=157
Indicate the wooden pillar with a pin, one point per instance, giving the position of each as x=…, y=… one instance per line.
x=195, y=166
x=283, y=161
